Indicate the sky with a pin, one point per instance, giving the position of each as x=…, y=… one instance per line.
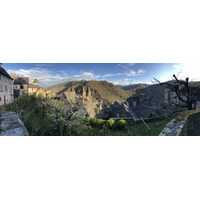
x=117, y=73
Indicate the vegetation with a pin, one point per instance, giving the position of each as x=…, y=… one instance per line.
x=44, y=117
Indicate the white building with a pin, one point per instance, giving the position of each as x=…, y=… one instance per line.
x=6, y=87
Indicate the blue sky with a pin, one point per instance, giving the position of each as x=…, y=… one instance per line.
x=117, y=73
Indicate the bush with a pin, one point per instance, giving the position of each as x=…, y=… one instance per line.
x=121, y=124
x=101, y=123
x=110, y=123
x=93, y=122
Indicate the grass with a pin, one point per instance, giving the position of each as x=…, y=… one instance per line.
x=140, y=129
x=132, y=129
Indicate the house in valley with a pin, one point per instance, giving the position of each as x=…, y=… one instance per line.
x=6, y=87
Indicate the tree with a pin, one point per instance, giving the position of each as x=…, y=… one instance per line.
x=183, y=91
x=67, y=116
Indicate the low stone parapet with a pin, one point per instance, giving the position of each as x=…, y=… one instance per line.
x=173, y=128
x=11, y=125
x=185, y=124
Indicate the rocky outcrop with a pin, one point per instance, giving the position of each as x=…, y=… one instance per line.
x=11, y=125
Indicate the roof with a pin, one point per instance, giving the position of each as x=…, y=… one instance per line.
x=33, y=86
x=35, y=81
x=4, y=72
x=21, y=80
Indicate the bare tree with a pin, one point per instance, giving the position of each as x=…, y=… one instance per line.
x=183, y=92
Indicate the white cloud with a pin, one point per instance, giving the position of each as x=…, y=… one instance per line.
x=133, y=73
x=141, y=71
x=110, y=75
x=47, y=77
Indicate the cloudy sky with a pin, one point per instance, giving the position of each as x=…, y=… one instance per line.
x=117, y=73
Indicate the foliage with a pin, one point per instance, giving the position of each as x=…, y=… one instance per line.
x=49, y=117
x=121, y=124
x=43, y=117
x=110, y=123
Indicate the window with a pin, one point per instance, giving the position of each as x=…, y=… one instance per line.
x=5, y=79
x=10, y=90
x=1, y=88
x=21, y=87
x=6, y=88
x=10, y=81
x=0, y=98
x=1, y=77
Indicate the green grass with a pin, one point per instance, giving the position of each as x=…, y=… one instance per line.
x=132, y=129
x=140, y=129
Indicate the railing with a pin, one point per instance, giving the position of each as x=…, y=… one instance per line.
x=149, y=130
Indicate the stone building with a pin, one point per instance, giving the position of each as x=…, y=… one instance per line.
x=6, y=87
x=171, y=96
x=21, y=85
x=35, y=89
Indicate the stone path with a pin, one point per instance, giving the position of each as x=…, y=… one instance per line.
x=11, y=125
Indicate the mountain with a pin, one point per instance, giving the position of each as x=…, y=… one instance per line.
x=133, y=87
x=92, y=90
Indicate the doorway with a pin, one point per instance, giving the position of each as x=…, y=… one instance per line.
x=5, y=100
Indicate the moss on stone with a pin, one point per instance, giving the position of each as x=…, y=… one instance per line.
x=192, y=121
x=185, y=115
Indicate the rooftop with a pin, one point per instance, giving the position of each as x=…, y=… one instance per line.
x=4, y=72
x=21, y=80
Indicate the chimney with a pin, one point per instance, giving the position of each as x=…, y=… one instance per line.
x=0, y=64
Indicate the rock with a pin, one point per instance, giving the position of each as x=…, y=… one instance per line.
x=11, y=125
x=166, y=130
x=173, y=128
x=171, y=124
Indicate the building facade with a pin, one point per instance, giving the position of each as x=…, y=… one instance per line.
x=6, y=87
x=35, y=89
x=21, y=85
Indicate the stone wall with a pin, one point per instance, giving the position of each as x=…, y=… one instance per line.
x=192, y=125
x=173, y=128
x=11, y=125
x=185, y=124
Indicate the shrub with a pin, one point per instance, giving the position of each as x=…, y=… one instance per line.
x=110, y=123
x=101, y=123
x=121, y=124
x=93, y=122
